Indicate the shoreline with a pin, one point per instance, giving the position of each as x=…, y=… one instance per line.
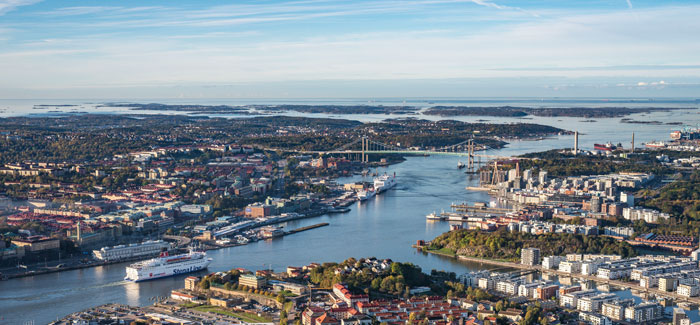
x=7, y=277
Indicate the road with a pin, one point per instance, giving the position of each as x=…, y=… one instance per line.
x=182, y=241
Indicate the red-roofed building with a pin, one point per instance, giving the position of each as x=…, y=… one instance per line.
x=326, y=319
x=309, y=316
x=344, y=294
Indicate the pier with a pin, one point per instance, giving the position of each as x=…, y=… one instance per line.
x=479, y=209
x=318, y=225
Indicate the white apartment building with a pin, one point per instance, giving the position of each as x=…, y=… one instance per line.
x=570, y=300
x=570, y=267
x=688, y=289
x=594, y=303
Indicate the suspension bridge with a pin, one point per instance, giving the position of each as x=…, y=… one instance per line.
x=364, y=146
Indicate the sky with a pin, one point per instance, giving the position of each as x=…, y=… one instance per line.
x=329, y=49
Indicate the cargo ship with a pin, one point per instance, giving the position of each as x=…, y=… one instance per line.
x=165, y=266
x=384, y=182
x=607, y=147
x=655, y=144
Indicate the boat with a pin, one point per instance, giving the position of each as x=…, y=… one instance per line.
x=456, y=217
x=655, y=144
x=434, y=216
x=365, y=194
x=271, y=232
x=460, y=165
x=166, y=265
x=384, y=182
x=606, y=147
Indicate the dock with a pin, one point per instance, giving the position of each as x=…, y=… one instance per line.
x=318, y=225
x=479, y=209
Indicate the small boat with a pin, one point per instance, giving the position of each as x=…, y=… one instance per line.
x=460, y=165
x=434, y=216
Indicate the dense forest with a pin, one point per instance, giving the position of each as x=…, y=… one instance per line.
x=502, y=244
x=564, y=164
x=680, y=198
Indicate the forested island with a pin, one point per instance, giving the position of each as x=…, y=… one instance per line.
x=268, y=109
x=179, y=108
x=515, y=111
x=339, y=109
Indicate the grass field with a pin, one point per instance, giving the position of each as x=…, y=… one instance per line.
x=246, y=317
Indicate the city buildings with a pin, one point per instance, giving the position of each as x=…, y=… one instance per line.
x=530, y=256
x=252, y=281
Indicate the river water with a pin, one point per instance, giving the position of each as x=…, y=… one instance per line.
x=384, y=227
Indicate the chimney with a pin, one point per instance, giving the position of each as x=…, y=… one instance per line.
x=632, y=142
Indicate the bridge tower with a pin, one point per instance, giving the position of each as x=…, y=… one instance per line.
x=363, y=148
x=495, y=172
x=470, y=154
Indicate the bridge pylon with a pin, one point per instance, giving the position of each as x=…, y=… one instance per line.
x=470, y=155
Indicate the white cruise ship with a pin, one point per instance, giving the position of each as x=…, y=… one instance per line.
x=384, y=182
x=123, y=252
x=165, y=266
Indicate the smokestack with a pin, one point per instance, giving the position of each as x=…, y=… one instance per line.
x=576, y=143
x=632, y=142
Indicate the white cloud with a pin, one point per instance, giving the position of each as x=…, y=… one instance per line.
x=490, y=4
x=563, y=45
x=9, y=5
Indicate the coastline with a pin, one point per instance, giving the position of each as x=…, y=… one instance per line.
x=8, y=277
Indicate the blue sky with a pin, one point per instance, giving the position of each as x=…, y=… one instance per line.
x=316, y=48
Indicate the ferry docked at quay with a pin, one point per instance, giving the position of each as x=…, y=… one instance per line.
x=364, y=195
x=384, y=182
x=165, y=266
x=380, y=184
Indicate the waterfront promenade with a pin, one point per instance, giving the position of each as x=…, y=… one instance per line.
x=618, y=283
